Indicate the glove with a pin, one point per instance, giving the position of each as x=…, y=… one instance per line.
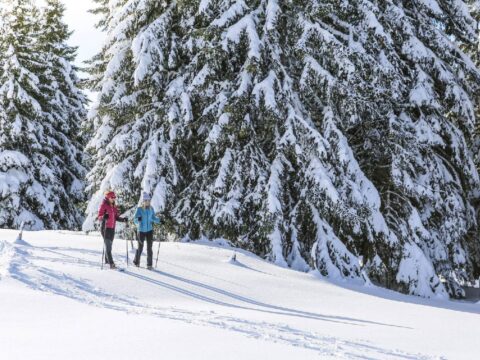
x=139, y=219
x=105, y=216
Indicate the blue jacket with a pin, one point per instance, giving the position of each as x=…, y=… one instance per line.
x=148, y=218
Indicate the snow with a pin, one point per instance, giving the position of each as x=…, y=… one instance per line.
x=372, y=22
x=423, y=93
x=266, y=87
x=225, y=163
x=432, y=5
x=244, y=25
x=416, y=269
x=204, y=4
x=11, y=158
x=57, y=303
x=328, y=249
x=237, y=8
x=416, y=50
x=272, y=12
x=274, y=188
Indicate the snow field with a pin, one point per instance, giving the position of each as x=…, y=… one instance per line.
x=56, y=302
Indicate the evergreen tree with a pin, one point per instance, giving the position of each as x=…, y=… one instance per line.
x=65, y=106
x=414, y=140
x=129, y=139
x=316, y=134
x=40, y=163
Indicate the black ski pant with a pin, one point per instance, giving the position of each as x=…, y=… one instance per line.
x=108, y=235
x=148, y=236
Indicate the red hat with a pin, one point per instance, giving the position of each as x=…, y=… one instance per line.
x=110, y=195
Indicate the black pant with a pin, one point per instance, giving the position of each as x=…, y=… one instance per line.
x=108, y=235
x=149, y=237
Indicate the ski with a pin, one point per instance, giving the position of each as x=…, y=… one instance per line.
x=144, y=268
x=119, y=269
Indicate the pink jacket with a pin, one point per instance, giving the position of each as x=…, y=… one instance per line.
x=112, y=212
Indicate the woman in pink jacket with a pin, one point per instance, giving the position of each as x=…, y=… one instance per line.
x=109, y=215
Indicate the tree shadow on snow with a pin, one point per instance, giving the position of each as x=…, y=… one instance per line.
x=267, y=308
x=40, y=278
x=83, y=285
x=391, y=295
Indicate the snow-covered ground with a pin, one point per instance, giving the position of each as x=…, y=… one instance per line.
x=56, y=303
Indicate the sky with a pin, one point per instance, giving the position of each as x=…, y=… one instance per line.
x=86, y=36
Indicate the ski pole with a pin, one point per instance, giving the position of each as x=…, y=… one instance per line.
x=102, y=231
x=103, y=253
x=131, y=237
x=137, y=237
x=126, y=248
x=158, y=251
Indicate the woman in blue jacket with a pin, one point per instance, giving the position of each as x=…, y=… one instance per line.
x=144, y=219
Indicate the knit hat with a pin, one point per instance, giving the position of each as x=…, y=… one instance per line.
x=110, y=195
x=146, y=197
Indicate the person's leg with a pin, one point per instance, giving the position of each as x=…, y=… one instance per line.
x=102, y=229
x=109, y=235
x=141, y=240
x=149, y=248
x=106, y=242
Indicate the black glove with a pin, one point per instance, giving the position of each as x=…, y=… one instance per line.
x=105, y=216
x=139, y=219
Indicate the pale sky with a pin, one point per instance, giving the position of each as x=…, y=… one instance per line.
x=86, y=36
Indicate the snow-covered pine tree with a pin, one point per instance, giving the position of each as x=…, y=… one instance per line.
x=132, y=144
x=472, y=50
x=407, y=110
x=311, y=133
x=272, y=181
x=38, y=184
x=436, y=174
x=65, y=107
x=102, y=9
x=230, y=140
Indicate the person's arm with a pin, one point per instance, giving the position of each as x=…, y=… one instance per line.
x=119, y=218
x=102, y=212
x=123, y=220
x=138, y=217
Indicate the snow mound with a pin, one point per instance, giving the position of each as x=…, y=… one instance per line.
x=21, y=242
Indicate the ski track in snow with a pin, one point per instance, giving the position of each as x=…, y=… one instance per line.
x=22, y=262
